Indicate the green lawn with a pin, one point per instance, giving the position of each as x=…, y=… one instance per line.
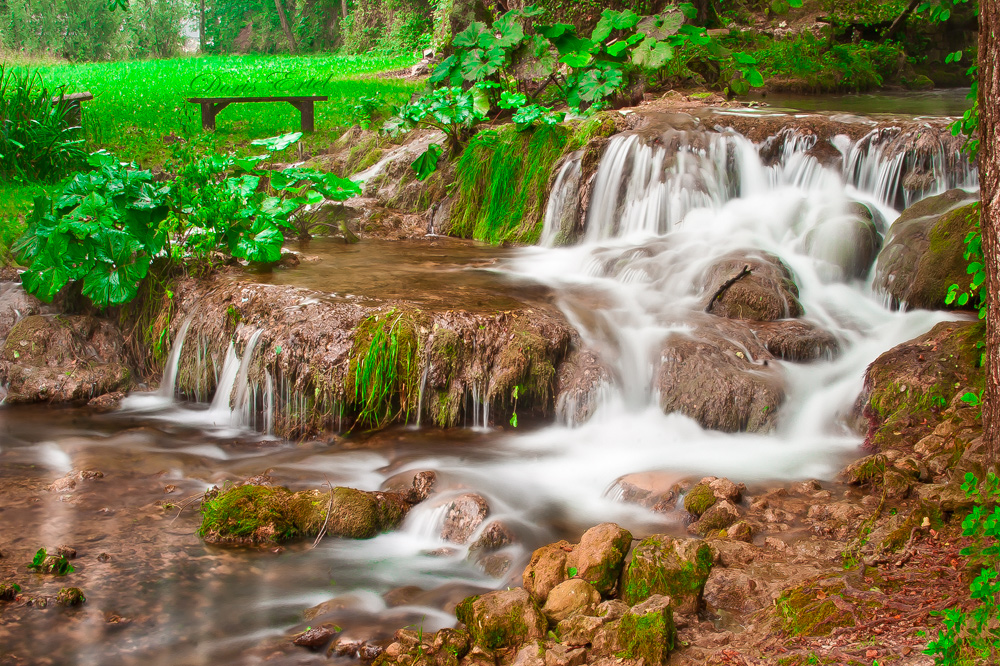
x=139, y=107
x=138, y=103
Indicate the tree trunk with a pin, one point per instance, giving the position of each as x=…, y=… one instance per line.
x=284, y=25
x=201, y=28
x=989, y=178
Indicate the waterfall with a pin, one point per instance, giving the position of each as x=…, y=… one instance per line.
x=562, y=208
x=164, y=395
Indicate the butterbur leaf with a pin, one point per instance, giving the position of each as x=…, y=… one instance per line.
x=427, y=163
x=617, y=48
x=512, y=100
x=479, y=63
x=507, y=32
x=556, y=31
x=795, y=3
x=577, y=59
x=689, y=10
x=613, y=20
x=470, y=37
x=652, y=54
x=754, y=78
x=264, y=247
x=531, y=11
x=744, y=58
x=445, y=69
x=660, y=26
x=596, y=84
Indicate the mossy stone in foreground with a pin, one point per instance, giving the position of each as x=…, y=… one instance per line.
x=504, y=619
x=677, y=568
x=699, y=499
x=70, y=596
x=647, y=632
x=252, y=515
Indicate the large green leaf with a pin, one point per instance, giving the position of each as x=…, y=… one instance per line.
x=507, y=31
x=263, y=247
x=427, y=163
x=652, y=54
x=613, y=20
x=480, y=63
x=449, y=68
x=596, y=84
x=471, y=37
x=660, y=26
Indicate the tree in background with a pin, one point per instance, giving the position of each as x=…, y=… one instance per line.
x=989, y=179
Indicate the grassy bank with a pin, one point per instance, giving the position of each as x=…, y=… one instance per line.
x=138, y=103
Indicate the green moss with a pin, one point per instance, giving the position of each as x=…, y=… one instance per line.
x=649, y=637
x=807, y=611
x=523, y=364
x=383, y=377
x=502, y=182
x=70, y=596
x=248, y=513
x=699, y=499
x=657, y=567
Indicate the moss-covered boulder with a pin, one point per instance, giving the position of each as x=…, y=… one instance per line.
x=677, y=568
x=924, y=251
x=599, y=557
x=646, y=632
x=503, y=619
x=63, y=358
x=254, y=514
x=70, y=596
x=820, y=606
x=909, y=385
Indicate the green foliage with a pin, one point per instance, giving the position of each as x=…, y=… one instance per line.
x=976, y=269
x=973, y=636
x=451, y=110
x=427, y=163
x=89, y=30
x=37, y=142
x=382, y=377
x=53, y=564
x=501, y=182
x=104, y=228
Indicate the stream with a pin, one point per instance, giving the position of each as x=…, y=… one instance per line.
x=156, y=594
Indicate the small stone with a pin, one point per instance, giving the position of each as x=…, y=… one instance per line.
x=91, y=474
x=103, y=557
x=70, y=596
x=805, y=487
x=699, y=499
x=563, y=655
x=546, y=569
x=9, y=590
x=572, y=597
x=776, y=544
x=600, y=555
x=494, y=537
x=316, y=638
x=368, y=652
x=740, y=531
x=725, y=489
x=169, y=489
x=719, y=516
x=67, y=552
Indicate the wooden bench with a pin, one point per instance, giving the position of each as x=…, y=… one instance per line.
x=211, y=106
x=74, y=112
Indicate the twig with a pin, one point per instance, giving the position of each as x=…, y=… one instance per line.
x=329, y=508
x=726, y=285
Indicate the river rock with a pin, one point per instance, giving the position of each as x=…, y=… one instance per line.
x=699, y=499
x=733, y=590
x=677, y=568
x=797, y=340
x=924, y=251
x=848, y=243
x=316, y=638
x=580, y=381
x=546, y=569
x=571, y=597
x=70, y=596
x=464, y=515
x=63, y=358
x=765, y=293
x=645, y=633
x=722, y=377
x=253, y=514
x=718, y=517
x=16, y=304
x=600, y=555
x=495, y=536
x=503, y=619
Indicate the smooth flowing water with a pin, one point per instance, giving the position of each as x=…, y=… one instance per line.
x=656, y=221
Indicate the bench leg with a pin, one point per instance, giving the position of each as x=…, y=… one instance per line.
x=207, y=116
x=307, y=114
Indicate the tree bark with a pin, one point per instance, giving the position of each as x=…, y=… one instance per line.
x=989, y=179
x=285, y=26
x=201, y=28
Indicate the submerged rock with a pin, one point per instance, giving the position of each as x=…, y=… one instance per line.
x=924, y=252
x=464, y=515
x=848, y=243
x=797, y=340
x=721, y=377
x=63, y=358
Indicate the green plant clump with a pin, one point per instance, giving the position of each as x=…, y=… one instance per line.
x=973, y=636
x=383, y=376
x=502, y=181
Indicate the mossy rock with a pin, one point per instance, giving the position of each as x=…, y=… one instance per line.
x=810, y=610
x=9, y=590
x=599, y=557
x=254, y=515
x=70, y=596
x=699, y=499
x=504, y=619
x=647, y=632
x=677, y=568
x=924, y=251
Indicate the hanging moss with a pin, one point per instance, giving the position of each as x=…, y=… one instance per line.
x=502, y=181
